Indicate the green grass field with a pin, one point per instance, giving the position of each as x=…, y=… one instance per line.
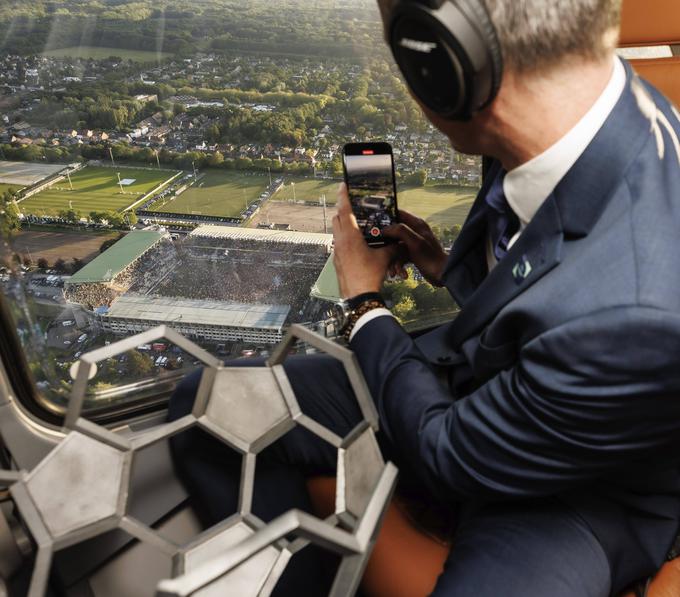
x=94, y=189
x=95, y=53
x=218, y=193
x=441, y=205
x=6, y=187
x=308, y=189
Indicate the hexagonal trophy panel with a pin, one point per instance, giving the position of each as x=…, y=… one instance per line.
x=80, y=483
x=245, y=408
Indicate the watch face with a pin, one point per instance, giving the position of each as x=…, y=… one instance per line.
x=341, y=312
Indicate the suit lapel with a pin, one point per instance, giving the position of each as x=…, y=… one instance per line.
x=537, y=251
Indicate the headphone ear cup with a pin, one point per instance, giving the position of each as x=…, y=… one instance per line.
x=479, y=12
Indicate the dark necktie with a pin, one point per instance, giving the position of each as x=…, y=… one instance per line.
x=502, y=221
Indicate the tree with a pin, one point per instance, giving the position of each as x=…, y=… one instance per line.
x=60, y=265
x=77, y=264
x=216, y=159
x=404, y=309
x=28, y=262
x=139, y=365
x=9, y=216
x=42, y=263
x=132, y=218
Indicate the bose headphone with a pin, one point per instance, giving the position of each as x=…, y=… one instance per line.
x=449, y=54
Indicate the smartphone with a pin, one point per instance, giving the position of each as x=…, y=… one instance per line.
x=369, y=174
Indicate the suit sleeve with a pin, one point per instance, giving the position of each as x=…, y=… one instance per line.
x=584, y=399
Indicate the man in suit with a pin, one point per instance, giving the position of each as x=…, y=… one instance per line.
x=547, y=415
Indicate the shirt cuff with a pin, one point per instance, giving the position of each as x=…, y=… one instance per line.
x=367, y=317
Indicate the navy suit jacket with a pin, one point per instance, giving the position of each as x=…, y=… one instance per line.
x=565, y=360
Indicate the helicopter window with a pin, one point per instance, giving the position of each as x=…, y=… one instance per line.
x=160, y=165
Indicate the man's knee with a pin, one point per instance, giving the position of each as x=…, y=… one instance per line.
x=182, y=399
x=525, y=553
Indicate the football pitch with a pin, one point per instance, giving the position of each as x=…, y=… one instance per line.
x=218, y=193
x=441, y=205
x=95, y=189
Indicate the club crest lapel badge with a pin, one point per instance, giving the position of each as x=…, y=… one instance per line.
x=522, y=270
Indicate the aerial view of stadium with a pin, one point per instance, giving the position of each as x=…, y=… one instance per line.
x=217, y=283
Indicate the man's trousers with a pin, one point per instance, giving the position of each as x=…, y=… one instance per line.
x=519, y=549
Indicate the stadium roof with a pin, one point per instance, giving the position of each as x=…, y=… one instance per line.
x=186, y=311
x=326, y=287
x=113, y=261
x=263, y=235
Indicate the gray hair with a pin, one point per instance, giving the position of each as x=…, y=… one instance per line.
x=538, y=34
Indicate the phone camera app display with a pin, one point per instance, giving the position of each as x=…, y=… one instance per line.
x=371, y=192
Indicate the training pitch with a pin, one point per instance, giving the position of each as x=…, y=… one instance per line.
x=217, y=193
x=440, y=205
x=95, y=189
x=23, y=174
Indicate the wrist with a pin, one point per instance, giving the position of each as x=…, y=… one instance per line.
x=358, y=309
x=355, y=301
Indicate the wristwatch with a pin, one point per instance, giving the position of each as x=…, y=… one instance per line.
x=349, y=311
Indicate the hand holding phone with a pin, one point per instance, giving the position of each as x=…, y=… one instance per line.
x=369, y=174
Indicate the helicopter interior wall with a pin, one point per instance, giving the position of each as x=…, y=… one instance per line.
x=113, y=564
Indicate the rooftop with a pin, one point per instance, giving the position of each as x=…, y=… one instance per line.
x=113, y=261
x=326, y=287
x=273, y=236
x=185, y=311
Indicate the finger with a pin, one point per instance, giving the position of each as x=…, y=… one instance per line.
x=405, y=234
x=413, y=221
x=343, y=205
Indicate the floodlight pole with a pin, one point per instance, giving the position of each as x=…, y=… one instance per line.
x=113, y=163
x=120, y=184
x=270, y=176
x=158, y=161
x=68, y=175
x=294, y=197
x=325, y=218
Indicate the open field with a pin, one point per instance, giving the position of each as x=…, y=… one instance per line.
x=59, y=245
x=304, y=218
x=438, y=205
x=22, y=174
x=94, y=189
x=308, y=189
x=95, y=53
x=218, y=193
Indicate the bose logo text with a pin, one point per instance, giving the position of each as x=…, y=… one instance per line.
x=425, y=47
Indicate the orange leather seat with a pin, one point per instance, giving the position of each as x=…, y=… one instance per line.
x=654, y=23
x=663, y=73
x=406, y=562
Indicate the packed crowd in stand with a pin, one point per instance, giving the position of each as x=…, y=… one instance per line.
x=222, y=269
x=245, y=271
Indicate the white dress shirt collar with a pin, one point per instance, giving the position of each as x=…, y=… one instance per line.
x=529, y=185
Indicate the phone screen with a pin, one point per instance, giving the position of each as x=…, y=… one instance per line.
x=369, y=173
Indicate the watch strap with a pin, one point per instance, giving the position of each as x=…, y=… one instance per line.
x=356, y=314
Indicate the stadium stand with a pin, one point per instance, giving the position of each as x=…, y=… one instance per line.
x=113, y=272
